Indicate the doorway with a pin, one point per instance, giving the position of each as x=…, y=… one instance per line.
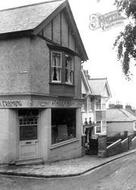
x=92, y=143
x=28, y=134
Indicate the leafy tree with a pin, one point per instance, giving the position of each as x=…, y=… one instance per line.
x=126, y=40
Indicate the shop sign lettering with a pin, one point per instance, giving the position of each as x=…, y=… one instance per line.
x=10, y=103
x=57, y=103
x=61, y=103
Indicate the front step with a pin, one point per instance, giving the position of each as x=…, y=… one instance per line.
x=28, y=162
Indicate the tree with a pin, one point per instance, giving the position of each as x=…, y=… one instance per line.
x=126, y=40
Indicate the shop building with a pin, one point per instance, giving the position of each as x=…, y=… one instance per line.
x=40, y=84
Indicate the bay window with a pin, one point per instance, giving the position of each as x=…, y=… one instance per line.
x=62, y=68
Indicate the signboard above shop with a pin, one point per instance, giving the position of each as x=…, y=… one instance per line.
x=14, y=103
x=40, y=103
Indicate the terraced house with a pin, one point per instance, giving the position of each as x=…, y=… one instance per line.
x=40, y=85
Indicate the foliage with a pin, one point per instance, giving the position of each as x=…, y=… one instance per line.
x=126, y=40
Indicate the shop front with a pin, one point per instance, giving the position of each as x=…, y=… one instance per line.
x=44, y=129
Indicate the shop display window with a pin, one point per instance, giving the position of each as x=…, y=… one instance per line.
x=63, y=125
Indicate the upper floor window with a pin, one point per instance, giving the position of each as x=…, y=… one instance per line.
x=62, y=68
x=100, y=105
x=56, y=67
x=69, y=70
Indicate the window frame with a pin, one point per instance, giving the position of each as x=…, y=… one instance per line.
x=62, y=68
x=98, y=124
x=59, y=67
x=69, y=69
x=70, y=128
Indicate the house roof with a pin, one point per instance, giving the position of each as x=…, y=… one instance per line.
x=85, y=82
x=98, y=85
x=26, y=17
x=31, y=18
x=119, y=115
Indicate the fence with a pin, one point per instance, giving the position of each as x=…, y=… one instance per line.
x=114, y=148
x=120, y=146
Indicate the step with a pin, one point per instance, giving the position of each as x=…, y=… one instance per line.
x=29, y=161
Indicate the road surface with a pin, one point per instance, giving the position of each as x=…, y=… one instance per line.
x=117, y=175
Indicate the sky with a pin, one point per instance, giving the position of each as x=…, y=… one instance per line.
x=99, y=46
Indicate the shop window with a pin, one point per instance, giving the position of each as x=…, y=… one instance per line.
x=28, y=121
x=63, y=125
x=62, y=68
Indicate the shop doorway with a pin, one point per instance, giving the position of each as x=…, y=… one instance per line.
x=28, y=134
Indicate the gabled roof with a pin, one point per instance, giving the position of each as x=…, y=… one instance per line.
x=99, y=86
x=85, y=84
x=119, y=115
x=26, y=17
x=31, y=17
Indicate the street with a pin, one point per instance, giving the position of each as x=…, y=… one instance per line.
x=117, y=175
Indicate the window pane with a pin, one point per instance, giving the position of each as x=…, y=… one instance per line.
x=56, y=59
x=28, y=122
x=71, y=76
x=56, y=74
x=56, y=67
x=69, y=73
x=28, y=132
x=63, y=124
x=98, y=129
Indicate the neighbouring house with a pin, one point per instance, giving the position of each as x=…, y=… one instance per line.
x=96, y=93
x=120, y=121
x=40, y=83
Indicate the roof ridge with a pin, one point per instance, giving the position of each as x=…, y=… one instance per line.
x=29, y=5
x=123, y=111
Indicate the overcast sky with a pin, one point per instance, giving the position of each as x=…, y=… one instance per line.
x=99, y=46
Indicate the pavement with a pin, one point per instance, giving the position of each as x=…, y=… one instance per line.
x=67, y=168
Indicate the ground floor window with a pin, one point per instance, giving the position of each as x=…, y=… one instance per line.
x=98, y=127
x=28, y=123
x=63, y=124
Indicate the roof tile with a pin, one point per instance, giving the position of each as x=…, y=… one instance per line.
x=26, y=17
x=120, y=115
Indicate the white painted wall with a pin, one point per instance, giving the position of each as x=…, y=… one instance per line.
x=44, y=133
x=119, y=127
